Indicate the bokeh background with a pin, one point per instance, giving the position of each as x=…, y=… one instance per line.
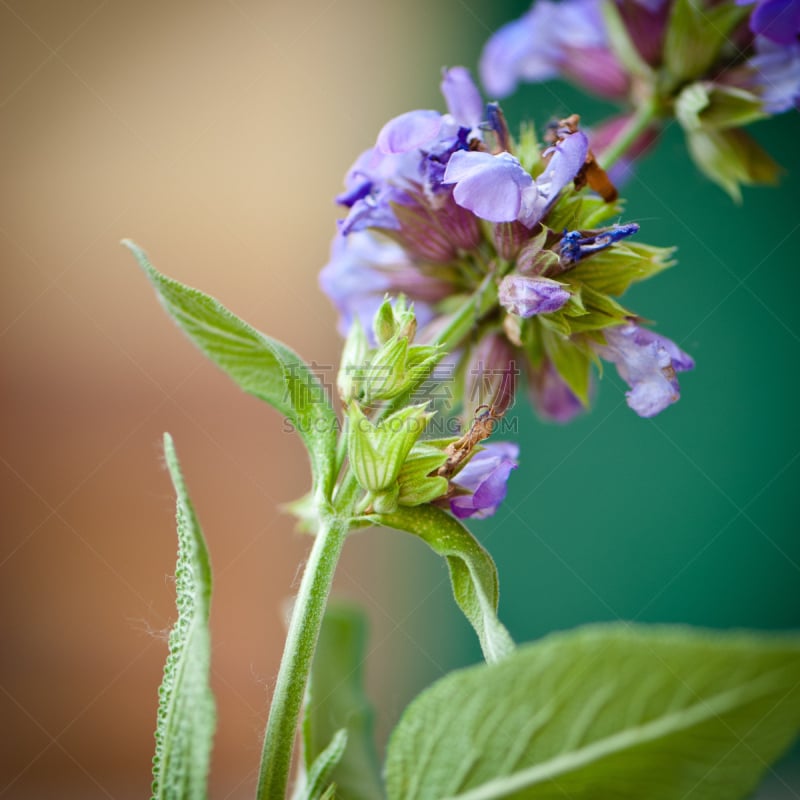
x=215, y=134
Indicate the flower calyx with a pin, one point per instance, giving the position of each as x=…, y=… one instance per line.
x=377, y=451
x=395, y=367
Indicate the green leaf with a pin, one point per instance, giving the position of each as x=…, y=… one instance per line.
x=318, y=784
x=472, y=572
x=337, y=702
x=614, y=711
x=613, y=270
x=260, y=365
x=186, y=716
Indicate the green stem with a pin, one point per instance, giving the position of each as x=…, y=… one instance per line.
x=644, y=116
x=311, y=600
x=298, y=655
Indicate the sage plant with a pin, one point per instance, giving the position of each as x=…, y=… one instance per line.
x=712, y=67
x=506, y=257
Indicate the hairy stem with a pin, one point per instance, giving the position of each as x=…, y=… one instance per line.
x=311, y=600
x=298, y=655
x=644, y=116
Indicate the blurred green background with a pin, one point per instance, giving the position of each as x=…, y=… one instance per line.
x=215, y=133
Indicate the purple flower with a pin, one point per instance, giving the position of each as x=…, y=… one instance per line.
x=497, y=188
x=485, y=476
x=526, y=296
x=363, y=267
x=464, y=101
x=777, y=20
x=566, y=159
x=552, y=38
x=409, y=131
x=550, y=395
x=647, y=362
x=776, y=74
x=409, y=158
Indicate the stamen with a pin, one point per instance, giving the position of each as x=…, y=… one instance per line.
x=574, y=246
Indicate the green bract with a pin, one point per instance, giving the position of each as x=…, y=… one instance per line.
x=351, y=368
x=377, y=451
x=417, y=485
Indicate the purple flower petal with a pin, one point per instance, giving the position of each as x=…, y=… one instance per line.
x=516, y=51
x=777, y=20
x=492, y=187
x=526, y=296
x=550, y=395
x=464, y=100
x=568, y=156
x=777, y=74
x=362, y=268
x=409, y=131
x=647, y=362
x=542, y=44
x=486, y=476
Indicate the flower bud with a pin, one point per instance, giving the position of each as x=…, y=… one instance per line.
x=525, y=296
x=354, y=359
x=383, y=324
x=384, y=377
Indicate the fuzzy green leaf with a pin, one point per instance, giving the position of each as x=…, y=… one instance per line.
x=318, y=783
x=186, y=716
x=613, y=270
x=613, y=711
x=472, y=572
x=260, y=365
x=337, y=702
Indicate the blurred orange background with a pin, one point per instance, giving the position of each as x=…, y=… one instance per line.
x=214, y=134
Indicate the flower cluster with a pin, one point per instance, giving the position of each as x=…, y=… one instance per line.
x=391, y=461
x=715, y=66
x=449, y=207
